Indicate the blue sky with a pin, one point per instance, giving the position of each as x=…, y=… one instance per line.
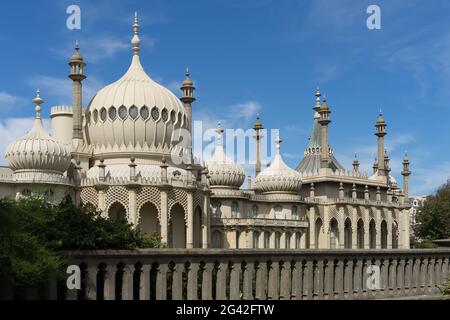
x=255, y=56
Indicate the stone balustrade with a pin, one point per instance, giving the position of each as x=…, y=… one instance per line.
x=257, y=274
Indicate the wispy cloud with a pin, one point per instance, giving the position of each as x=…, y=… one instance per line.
x=8, y=101
x=61, y=88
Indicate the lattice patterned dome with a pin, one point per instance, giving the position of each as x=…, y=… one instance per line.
x=37, y=151
x=134, y=114
x=223, y=171
x=278, y=177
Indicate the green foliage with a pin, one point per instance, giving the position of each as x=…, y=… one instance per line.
x=32, y=232
x=445, y=288
x=434, y=217
x=425, y=244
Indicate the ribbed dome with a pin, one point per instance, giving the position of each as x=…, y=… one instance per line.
x=134, y=114
x=223, y=171
x=278, y=177
x=37, y=151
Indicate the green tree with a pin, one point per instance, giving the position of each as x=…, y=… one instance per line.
x=434, y=216
x=33, y=233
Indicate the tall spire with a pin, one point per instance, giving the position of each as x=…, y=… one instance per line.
x=380, y=132
x=258, y=128
x=77, y=66
x=406, y=173
x=38, y=101
x=136, y=41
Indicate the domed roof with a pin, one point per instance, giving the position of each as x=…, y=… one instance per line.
x=134, y=114
x=37, y=151
x=278, y=177
x=223, y=172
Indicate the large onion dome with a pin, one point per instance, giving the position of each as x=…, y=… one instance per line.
x=278, y=177
x=134, y=114
x=223, y=171
x=37, y=154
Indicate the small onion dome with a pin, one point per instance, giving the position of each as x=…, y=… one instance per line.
x=223, y=172
x=76, y=56
x=380, y=120
x=37, y=151
x=187, y=82
x=278, y=177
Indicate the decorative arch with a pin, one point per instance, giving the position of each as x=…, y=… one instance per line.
x=148, y=221
x=360, y=233
x=348, y=234
x=394, y=235
x=384, y=234
x=177, y=227
x=334, y=234
x=217, y=239
x=117, y=211
x=372, y=234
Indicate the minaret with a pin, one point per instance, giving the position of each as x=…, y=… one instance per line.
x=258, y=127
x=324, y=121
x=406, y=173
x=187, y=97
x=77, y=75
x=380, y=127
x=356, y=164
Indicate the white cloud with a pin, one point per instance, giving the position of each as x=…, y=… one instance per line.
x=14, y=128
x=8, y=101
x=61, y=88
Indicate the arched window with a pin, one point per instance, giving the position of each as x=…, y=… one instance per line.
x=255, y=239
x=384, y=235
x=254, y=211
x=334, y=241
x=348, y=234
x=266, y=240
x=216, y=213
x=395, y=235
x=288, y=240
x=277, y=240
x=294, y=213
x=360, y=234
x=278, y=212
x=216, y=239
x=298, y=240
x=372, y=234
x=238, y=238
x=234, y=209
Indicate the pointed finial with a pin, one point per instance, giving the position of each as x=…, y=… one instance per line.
x=318, y=95
x=136, y=41
x=278, y=142
x=38, y=101
x=77, y=46
x=187, y=72
x=219, y=132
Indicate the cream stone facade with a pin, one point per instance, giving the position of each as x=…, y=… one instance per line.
x=117, y=155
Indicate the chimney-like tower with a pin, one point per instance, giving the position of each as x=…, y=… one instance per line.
x=187, y=97
x=77, y=75
x=406, y=173
x=380, y=127
x=356, y=164
x=258, y=128
x=324, y=121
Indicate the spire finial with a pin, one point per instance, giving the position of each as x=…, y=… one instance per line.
x=187, y=73
x=77, y=46
x=38, y=101
x=136, y=41
x=318, y=95
x=219, y=132
x=278, y=142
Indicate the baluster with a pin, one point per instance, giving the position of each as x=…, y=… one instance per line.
x=307, y=280
x=161, y=281
x=339, y=280
x=348, y=277
x=319, y=279
x=430, y=272
x=91, y=282
x=285, y=281
x=109, y=287
x=296, y=292
x=144, y=282
x=248, y=281
x=273, y=281
x=192, y=283
x=261, y=281
x=207, y=281
x=177, y=281
x=234, y=280
x=127, y=282
x=221, y=282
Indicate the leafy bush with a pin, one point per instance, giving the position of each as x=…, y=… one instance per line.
x=32, y=232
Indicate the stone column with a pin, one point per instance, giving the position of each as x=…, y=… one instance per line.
x=164, y=217
x=341, y=230
x=312, y=227
x=378, y=229
x=354, y=228
x=389, y=229
x=132, y=213
x=190, y=221
x=366, y=228
x=206, y=227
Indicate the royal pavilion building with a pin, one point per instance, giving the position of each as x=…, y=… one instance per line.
x=118, y=155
